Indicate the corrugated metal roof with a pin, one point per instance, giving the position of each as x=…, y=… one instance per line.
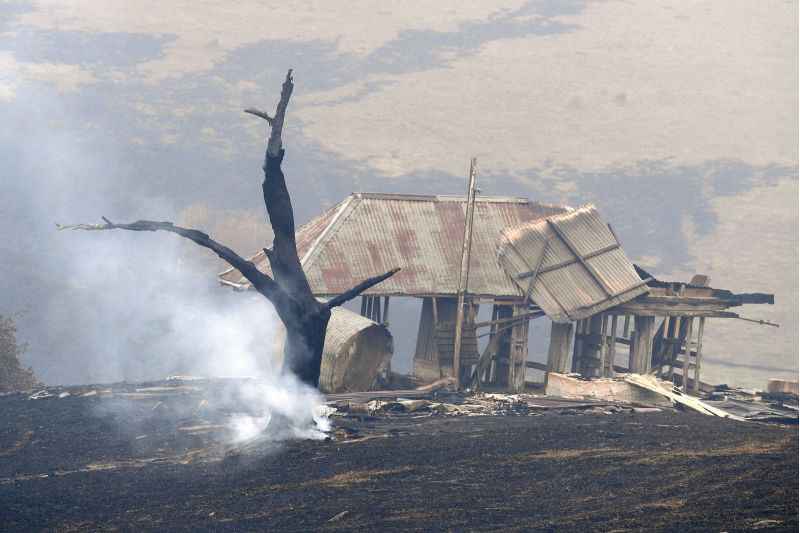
x=368, y=234
x=571, y=264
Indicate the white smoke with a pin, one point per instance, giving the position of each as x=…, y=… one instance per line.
x=117, y=305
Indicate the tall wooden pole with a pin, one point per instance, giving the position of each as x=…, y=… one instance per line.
x=463, y=277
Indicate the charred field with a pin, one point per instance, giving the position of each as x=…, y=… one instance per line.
x=73, y=464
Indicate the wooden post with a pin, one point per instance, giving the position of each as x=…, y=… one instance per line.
x=603, y=351
x=698, y=357
x=386, y=310
x=664, y=347
x=612, y=347
x=672, y=333
x=687, y=359
x=626, y=328
x=590, y=358
x=377, y=309
x=558, y=352
x=518, y=351
x=488, y=378
x=578, y=345
x=463, y=278
x=642, y=344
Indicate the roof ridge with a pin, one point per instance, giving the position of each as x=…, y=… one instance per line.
x=346, y=207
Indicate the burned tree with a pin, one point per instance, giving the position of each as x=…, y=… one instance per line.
x=305, y=317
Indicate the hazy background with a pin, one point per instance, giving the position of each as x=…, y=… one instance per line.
x=677, y=119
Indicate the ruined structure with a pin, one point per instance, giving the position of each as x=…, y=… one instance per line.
x=528, y=260
x=423, y=236
x=573, y=266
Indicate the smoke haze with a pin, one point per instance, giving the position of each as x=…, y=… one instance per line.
x=685, y=137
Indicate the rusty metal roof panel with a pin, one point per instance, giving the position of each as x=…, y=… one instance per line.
x=368, y=234
x=570, y=264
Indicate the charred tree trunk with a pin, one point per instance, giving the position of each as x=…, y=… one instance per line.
x=305, y=317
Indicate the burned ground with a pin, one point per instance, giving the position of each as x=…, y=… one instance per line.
x=82, y=463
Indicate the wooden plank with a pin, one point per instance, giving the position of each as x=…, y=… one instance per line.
x=650, y=383
x=494, y=321
x=536, y=366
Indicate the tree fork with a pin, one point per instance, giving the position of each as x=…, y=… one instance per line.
x=305, y=317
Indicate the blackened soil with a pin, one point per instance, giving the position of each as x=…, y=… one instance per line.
x=73, y=464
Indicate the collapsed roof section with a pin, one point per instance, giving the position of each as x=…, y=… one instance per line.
x=571, y=264
x=696, y=298
x=369, y=233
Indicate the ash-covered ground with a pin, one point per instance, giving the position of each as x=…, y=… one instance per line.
x=135, y=458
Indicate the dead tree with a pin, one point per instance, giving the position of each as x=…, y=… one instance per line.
x=305, y=317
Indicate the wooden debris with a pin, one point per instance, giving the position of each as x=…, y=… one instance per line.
x=782, y=386
x=652, y=384
x=609, y=389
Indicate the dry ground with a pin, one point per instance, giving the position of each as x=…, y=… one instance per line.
x=73, y=465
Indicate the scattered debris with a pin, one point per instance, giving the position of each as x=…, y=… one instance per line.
x=653, y=384
x=612, y=389
x=337, y=517
x=39, y=395
x=782, y=386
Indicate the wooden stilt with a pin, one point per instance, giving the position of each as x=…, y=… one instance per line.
x=386, y=310
x=642, y=345
x=491, y=372
x=688, y=357
x=612, y=347
x=699, y=356
x=518, y=351
x=590, y=358
x=603, y=348
x=671, y=349
x=577, y=350
x=558, y=352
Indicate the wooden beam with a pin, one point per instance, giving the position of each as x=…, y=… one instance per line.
x=532, y=314
x=566, y=262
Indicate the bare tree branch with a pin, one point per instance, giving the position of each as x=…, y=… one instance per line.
x=275, y=144
x=262, y=282
x=259, y=113
x=358, y=289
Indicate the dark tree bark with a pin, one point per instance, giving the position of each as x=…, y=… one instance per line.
x=305, y=317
